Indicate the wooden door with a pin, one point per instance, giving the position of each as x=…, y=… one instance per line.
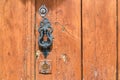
x=85, y=45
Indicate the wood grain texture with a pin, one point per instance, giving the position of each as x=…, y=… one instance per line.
x=15, y=40
x=30, y=49
x=66, y=54
x=118, y=17
x=99, y=39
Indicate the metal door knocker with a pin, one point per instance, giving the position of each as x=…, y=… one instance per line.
x=45, y=30
x=45, y=39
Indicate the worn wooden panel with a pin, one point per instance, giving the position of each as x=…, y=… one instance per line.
x=16, y=40
x=66, y=52
x=99, y=39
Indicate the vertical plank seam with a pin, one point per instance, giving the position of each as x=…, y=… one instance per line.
x=81, y=14
x=117, y=68
x=34, y=40
x=31, y=39
x=27, y=23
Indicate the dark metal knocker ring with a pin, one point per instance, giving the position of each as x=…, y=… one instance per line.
x=45, y=30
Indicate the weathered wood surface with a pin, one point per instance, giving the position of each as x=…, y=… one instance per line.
x=30, y=49
x=16, y=45
x=99, y=39
x=66, y=54
x=118, y=27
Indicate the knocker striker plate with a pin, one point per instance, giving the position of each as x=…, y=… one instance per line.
x=45, y=67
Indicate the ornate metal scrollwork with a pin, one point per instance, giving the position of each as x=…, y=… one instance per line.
x=45, y=30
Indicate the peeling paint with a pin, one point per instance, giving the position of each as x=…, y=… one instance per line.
x=64, y=57
x=37, y=54
x=95, y=73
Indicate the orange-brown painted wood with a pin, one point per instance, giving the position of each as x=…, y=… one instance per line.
x=16, y=40
x=118, y=18
x=19, y=23
x=64, y=16
x=30, y=52
x=99, y=39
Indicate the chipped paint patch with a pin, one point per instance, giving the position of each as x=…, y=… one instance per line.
x=64, y=57
x=95, y=73
x=37, y=54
